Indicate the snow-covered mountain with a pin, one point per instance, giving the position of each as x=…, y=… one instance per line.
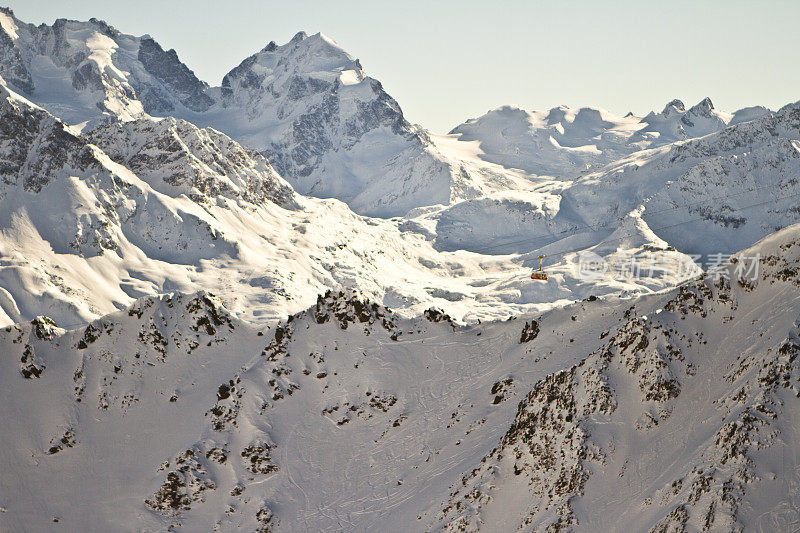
x=78, y=70
x=718, y=193
x=564, y=142
x=672, y=412
x=708, y=195
x=333, y=131
x=90, y=222
x=624, y=397
x=329, y=129
x=250, y=225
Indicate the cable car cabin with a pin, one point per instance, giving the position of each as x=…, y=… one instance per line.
x=540, y=274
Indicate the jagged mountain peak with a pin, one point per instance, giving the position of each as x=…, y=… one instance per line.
x=311, y=109
x=307, y=105
x=703, y=107
x=175, y=76
x=318, y=39
x=674, y=105
x=102, y=24
x=316, y=56
x=303, y=39
x=82, y=69
x=299, y=36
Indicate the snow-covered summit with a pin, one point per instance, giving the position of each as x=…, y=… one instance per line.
x=78, y=70
x=333, y=131
x=276, y=68
x=676, y=123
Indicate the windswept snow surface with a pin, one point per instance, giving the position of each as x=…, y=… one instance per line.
x=675, y=410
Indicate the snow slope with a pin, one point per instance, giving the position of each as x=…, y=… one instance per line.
x=683, y=418
x=674, y=411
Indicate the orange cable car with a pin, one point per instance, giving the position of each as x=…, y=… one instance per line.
x=539, y=275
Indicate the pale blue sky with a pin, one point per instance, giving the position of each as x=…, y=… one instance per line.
x=447, y=60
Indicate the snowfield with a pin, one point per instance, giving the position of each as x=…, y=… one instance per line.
x=278, y=305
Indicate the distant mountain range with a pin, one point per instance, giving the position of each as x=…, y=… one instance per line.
x=567, y=142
